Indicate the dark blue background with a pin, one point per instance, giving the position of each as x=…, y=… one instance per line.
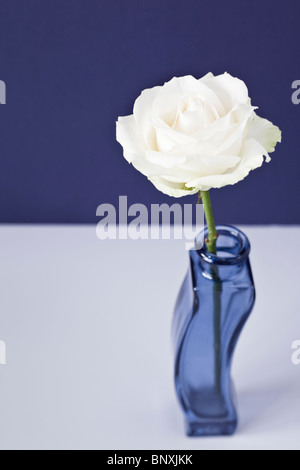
x=72, y=66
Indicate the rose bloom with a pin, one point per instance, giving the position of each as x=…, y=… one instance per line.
x=192, y=135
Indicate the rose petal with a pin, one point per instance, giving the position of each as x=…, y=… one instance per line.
x=251, y=159
x=171, y=189
x=148, y=167
x=253, y=154
x=142, y=112
x=129, y=137
x=168, y=138
x=265, y=133
x=211, y=164
x=233, y=143
x=230, y=90
x=168, y=99
x=190, y=167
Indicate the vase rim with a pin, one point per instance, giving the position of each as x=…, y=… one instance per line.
x=243, y=246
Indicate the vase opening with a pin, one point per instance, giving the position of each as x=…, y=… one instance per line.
x=233, y=246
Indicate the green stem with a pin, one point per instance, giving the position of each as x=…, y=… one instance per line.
x=211, y=242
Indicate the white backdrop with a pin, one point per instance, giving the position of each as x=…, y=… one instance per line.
x=89, y=361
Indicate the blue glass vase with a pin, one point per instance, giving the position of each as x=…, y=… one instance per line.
x=213, y=306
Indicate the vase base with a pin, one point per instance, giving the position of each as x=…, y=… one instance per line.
x=210, y=429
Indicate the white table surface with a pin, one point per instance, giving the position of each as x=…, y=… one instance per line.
x=87, y=329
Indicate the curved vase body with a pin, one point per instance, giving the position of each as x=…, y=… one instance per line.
x=213, y=305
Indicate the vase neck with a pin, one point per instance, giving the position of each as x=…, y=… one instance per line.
x=233, y=250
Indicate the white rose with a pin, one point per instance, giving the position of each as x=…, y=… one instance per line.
x=192, y=135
